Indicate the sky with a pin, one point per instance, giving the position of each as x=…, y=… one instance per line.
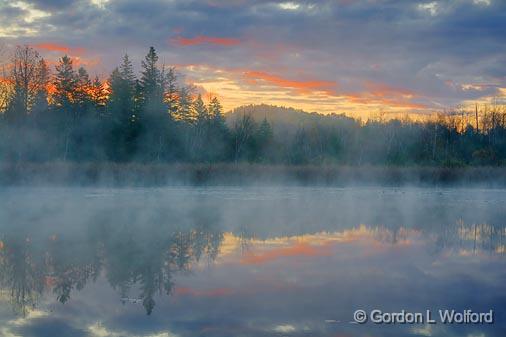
x=359, y=57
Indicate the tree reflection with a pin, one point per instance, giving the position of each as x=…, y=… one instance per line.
x=470, y=238
x=133, y=256
x=22, y=269
x=140, y=256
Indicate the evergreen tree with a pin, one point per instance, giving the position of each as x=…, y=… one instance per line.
x=82, y=96
x=263, y=140
x=98, y=94
x=265, y=131
x=171, y=91
x=65, y=84
x=185, y=112
x=151, y=77
x=121, y=99
x=219, y=140
x=122, y=135
x=200, y=110
x=200, y=130
x=155, y=121
x=216, y=110
x=126, y=72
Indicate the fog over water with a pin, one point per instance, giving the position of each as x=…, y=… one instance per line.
x=231, y=261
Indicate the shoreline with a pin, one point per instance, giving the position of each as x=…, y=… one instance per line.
x=152, y=175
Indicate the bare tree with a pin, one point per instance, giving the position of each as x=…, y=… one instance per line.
x=26, y=80
x=243, y=129
x=5, y=84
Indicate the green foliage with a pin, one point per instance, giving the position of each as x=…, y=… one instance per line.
x=65, y=83
x=154, y=118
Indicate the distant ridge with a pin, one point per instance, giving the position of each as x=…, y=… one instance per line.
x=281, y=117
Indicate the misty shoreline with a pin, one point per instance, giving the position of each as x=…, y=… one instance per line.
x=158, y=175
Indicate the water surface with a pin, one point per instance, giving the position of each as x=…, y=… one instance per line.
x=248, y=261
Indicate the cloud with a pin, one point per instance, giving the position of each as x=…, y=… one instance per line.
x=222, y=41
x=385, y=95
x=482, y=2
x=432, y=8
x=218, y=292
x=284, y=328
x=51, y=4
x=295, y=250
x=419, y=46
x=290, y=6
x=258, y=77
x=55, y=47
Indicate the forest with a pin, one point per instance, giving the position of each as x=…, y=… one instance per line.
x=64, y=115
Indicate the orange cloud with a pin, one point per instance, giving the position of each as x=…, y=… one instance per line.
x=60, y=48
x=386, y=95
x=240, y=86
x=302, y=86
x=385, y=90
x=201, y=39
x=297, y=249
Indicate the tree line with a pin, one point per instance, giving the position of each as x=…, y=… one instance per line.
x=65, y=115
x=69, y=116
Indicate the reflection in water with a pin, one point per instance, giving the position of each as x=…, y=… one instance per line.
x=281, y=270
x=129, y=258
x=31, y=265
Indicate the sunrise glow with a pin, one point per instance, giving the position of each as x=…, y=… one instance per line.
x=324, y=58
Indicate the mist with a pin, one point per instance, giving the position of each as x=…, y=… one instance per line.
x=124, y=259
x=62, y=126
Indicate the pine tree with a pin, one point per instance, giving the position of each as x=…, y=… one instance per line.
x=126, y=72
x=98, y=93
x=122, y=107
x=200, y=110
x=215, y=109
x=263, y=140
x=154, y=118
x=150, y=76
x=65, y=83
x=170, y=90
x=199, y=130
x=121, y=99
x=219, y=135
x=82, y=95
x=265, y=131
x=185, y=112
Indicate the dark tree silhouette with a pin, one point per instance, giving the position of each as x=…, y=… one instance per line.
x=68, y=116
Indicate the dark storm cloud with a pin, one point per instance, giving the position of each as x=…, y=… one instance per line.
x=419, y=45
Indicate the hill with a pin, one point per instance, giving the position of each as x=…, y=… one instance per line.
x=283, y=118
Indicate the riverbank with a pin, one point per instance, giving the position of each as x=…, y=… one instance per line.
x=133, y=174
